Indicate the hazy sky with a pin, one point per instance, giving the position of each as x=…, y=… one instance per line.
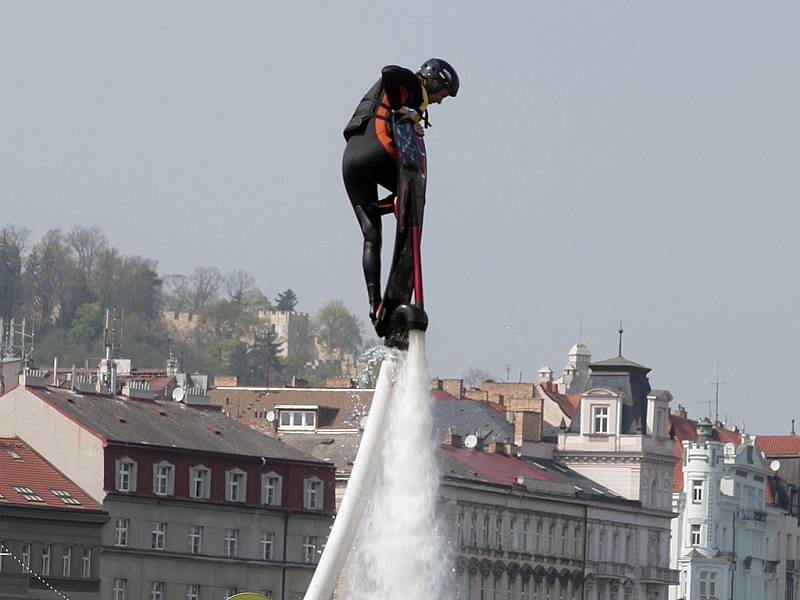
x=603, y=161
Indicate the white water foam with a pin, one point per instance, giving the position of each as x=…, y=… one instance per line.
x=401, y=552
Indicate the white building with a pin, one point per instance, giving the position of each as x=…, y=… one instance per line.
x=736, y=535
x=619, y=437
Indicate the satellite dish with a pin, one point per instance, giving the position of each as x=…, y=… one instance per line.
x=271, y=416
x=178, y=394
x=471, y=441
x=775, y=465
x=363, y=422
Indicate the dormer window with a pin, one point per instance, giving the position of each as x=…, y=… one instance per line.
x=126, y=475
x=235, y=485
x=313, y=493
x=600, y=419
x=163, y=479
x=298, y=420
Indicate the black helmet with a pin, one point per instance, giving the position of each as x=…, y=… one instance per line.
x=438, y=70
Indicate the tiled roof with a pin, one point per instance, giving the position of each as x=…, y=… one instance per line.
x=27, y=479
x=505, y=470
x=340, y=408
x=339, y=449
x=779, y=445
x=165, y=424
x=567, y=403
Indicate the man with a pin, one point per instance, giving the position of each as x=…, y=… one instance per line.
x=370, y=156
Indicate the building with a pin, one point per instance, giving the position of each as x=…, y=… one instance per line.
x=199, y=505
x=737, y=533
x=620, y=438
x=50, y=530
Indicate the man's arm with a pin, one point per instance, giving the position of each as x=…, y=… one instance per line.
x=402, y=87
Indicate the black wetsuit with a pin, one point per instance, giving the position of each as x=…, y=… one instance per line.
x=369, y=161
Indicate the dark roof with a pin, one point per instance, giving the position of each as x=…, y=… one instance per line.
x=166, y=424
x=617, y=362
x=338, y=449
x=463, y=417
x=39, y=484
x=630, y=381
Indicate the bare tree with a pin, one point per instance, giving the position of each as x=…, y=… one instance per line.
x=205, y=284
x=237, y=283
x=87, y=242
x=473, y=377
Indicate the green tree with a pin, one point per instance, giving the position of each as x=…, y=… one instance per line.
x=12, y=244
x=87, y=326
x=259, y=364
x=286, y=300
x=339, y=330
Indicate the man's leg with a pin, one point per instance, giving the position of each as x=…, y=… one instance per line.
x=369, y=218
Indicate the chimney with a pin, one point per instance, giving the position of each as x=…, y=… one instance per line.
x=454, y=387
x=527, y=427
x=453, y=439
x=681, y=411
x=437, y=384
x=496, y=448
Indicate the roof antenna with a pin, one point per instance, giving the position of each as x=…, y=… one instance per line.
x=620, y=338
x=580, y=330
x=716, y=384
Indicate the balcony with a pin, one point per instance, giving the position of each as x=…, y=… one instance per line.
x=771, y=566
x=659, y=575
x=606, y=569
x=753, y=515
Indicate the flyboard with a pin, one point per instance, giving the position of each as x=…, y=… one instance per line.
x=395, y=316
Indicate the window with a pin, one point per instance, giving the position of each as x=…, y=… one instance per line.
x=200, y=482
x=159, y=534
x=694, y=535
x=629, y=548
x=498, y=532
x=231, y=542
x=309, y=548
x=708, y=584
x=66, y=497
x=601, y=544
x=230, y=591
x=121, y=532
x=157, y=590
x=483, y=587
x=512, y=531
x=564, y=530
x=163, y=481
x=510, y=589
x=26, y=558
x=271, y=489
x=298, y=419
x=485, y=532
x=28, y=494
x=196, y=539
x=524, y=589
x=267, y=543
x=495, y=581
x=473, y=529
x=460, y=528
x=87, y=563
x=193, y=592
x=525, y=535
x=235, y=482
x=46, y=559
x=600, y=419
x=119, y=588
x=576, y=542
x=126, y=475
x=313, y=493
x=66, y=561
x=551, y=533
x=537, y=542
x=697, y=491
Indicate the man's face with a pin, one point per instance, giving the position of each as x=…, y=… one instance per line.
x=437, y=96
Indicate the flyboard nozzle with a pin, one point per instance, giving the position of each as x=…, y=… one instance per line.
x=404, y=318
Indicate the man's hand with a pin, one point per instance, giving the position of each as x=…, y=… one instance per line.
x=404, y=112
